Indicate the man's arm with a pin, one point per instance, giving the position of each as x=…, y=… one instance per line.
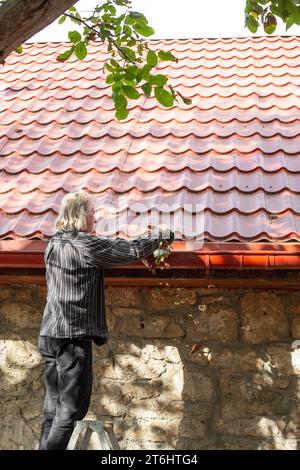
x=105, y=252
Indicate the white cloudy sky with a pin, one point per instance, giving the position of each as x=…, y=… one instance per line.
x=177, y=19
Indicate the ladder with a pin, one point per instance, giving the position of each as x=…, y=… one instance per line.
x=83, y=431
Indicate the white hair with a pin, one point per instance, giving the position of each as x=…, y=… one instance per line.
x=73, y=211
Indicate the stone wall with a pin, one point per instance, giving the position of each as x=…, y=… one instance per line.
x=184, y=368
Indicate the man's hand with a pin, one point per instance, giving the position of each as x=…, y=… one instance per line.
x=167, y=233
x=158, y=258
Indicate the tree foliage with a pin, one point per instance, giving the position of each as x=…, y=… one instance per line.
x=266, y=12
x=131, y=69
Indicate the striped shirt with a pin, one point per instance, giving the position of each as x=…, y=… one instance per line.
x=75, y=280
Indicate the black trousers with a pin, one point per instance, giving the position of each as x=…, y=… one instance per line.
x=68, y=379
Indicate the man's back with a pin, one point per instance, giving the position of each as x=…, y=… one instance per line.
x=75, y=280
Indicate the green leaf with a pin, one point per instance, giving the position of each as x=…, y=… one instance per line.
x=144, y=30
x=140, y=49
x=112, y=9
x=296, y=15
x=62, y=19
x=147, y=88
x=117, y=76
x=110, y=78
x=121, y=114
x=271, y=28
x=80, y=50
x=289, y=23
x=163, y=55
x=130, y=92
x=118, y=30
x=152, y=58
x=164, y=97
x=75, y=20
x=74, y=36
x=127, y=31
x=122, y=3
x=116, y=85
x=146, y=72
x=270, y=23
x=252, y=24
x=258, y=9
x=120, y=102
x=128, y=82
x=159, y=80
x=65, y=55
x=138, y=77
x=114, y=63
x=109, y=68
x=248, y=7
x=94, y=20
x=132, y=70
x=106, y=18
x=138, y=17
x=130, y=75
x=129, y=53
x=129, y=20
x=19, y=50
x=274, y=9
x=131, y=42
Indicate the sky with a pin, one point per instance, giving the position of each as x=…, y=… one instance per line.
x=177, y=19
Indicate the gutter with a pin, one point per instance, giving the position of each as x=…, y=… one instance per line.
x=186, y=255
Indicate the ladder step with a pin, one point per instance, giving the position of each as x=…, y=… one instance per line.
x=84, y=429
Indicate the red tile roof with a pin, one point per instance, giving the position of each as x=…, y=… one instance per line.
x=234, y=150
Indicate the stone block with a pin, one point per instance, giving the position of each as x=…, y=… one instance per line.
x=169, y=298
x=217, y=323
x=263, y=318
x=152, y=326
x=123, y=296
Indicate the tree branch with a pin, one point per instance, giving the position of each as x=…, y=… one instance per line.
x=95, y=30
x=21, y=19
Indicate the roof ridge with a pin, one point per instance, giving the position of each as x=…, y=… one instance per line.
x=295, y=36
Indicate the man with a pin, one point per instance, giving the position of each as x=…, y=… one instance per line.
x=74, y=314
